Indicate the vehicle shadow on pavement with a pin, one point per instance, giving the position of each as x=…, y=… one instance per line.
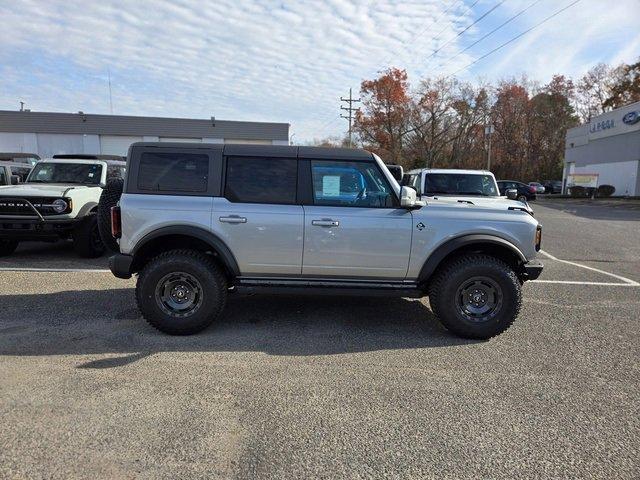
x=108, y=322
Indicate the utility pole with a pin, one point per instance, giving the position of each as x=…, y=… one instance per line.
x=350, y=101
x=488, y=131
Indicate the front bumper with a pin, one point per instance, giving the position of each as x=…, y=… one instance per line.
x=120, y=265
x=35, y=229
x=532, y=270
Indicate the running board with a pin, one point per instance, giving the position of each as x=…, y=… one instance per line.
x=326, y=287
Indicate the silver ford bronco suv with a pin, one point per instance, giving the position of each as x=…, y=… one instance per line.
x=58, y=200
x=198, y=222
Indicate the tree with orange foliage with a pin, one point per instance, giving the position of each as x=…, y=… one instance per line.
x=383, y=122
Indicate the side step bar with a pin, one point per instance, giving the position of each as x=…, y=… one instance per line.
x=325, y=287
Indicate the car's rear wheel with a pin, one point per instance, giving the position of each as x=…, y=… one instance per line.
x=86, y=238
x=522, y=198
x=476, y=296
x=7, y=247
x=181, y=292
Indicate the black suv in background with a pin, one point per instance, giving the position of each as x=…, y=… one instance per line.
x=526, y=193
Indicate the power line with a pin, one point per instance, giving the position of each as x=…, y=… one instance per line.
x=492, y=31
x=446, y=26
x=515, y=38
x=467, y=28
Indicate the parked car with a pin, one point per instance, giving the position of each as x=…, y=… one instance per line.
x=526, y=193
x=57, y=201
x=19, y=157
x=472, y=187
x=538, y=186
x=553, y=186
x=13, y=173
x=198, y=222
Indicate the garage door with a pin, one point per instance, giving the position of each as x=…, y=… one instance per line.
x=116, y=144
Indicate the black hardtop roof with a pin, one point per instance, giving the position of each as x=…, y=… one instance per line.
x=249, y=150
x=6, y=155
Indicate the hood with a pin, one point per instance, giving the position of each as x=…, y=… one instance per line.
x=40, y=190
x=490, y=202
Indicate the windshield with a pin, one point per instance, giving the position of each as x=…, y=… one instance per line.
x=460, y=184
x=81, y=173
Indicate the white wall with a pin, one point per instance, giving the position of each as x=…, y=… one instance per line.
x=116, y=144
x=622, y=175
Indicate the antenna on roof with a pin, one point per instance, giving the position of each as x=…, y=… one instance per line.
x=213, y=121
x=22, y=106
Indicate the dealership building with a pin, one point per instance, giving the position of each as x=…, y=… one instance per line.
x=48, y=133
x=608, y=147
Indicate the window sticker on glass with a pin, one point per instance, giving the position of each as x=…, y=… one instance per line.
x=331, y=186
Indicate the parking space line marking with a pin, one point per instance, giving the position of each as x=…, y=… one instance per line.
x=627, y=281
x=54, y=270
x=576, y=282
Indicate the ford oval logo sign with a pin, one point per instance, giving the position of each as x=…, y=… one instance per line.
x=631, y=118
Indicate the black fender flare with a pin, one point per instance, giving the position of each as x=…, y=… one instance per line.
x=216, y=243
x=87, y=208
x=443, y=250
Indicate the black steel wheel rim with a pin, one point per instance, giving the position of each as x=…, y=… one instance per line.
x=179, y=294
x=479, y=299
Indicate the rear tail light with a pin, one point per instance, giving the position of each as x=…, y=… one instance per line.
x=116, y=222
x=538, y=238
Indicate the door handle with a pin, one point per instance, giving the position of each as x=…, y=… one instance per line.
x=233, y=219
x=325, y=223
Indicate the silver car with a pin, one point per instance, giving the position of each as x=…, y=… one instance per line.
x=200, y=222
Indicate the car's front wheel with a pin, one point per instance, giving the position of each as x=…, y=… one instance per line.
x=7, y=247
x=86, y=238
x=181, y=292
x=522, y=198
x=476, y=296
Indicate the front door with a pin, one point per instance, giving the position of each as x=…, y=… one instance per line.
x=355, y=227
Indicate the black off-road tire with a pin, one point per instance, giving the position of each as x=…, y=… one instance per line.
x=86, y=238
x=7, y=247
x=445, y=297
x=151, y=291
x=109, y=197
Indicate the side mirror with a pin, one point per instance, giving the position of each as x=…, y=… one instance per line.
x=512, y=194
x=407, y=197
x=397, y=171
x=15, y=179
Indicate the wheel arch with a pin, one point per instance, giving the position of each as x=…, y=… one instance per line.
x=184, y=236
x=475, y=243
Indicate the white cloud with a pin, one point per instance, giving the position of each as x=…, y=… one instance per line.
x=253, y=59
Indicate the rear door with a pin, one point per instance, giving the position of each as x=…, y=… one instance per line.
x=353, y=224
x=258, y=215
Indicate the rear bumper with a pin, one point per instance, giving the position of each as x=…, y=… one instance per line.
x=120, y=265
x=532, y=269
x=28, y=229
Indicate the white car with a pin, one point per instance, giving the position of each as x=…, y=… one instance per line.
x=471, y=187
x=59, y=200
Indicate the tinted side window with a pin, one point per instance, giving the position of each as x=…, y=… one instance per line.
x=3, y=178
x=350, y=184
x=173, y=172
x=261, y=180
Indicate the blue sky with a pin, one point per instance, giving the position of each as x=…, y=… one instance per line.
x=286, y=61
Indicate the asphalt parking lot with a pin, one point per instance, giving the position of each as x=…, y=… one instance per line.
x=324, y=387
